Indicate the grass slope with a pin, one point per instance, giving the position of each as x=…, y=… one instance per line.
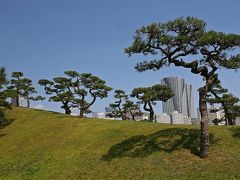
x=48, y=145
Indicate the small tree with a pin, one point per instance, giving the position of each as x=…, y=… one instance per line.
x=123, y=107
x=60, y=91
x=149, y=95
x=229, y=103
x=4, y=94
x=85, y=86
x=132, y=109
x=117, y=106
x=177, y=42
x=23, y=87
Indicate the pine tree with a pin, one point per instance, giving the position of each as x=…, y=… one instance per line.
x=23, y=87
x=131, y=110
x=117, y=106
x=59, y=91
x=4, y=94
x=85, y=86
x=228, y=102
x=75, y=90
x=178, y=42
x=150, y=95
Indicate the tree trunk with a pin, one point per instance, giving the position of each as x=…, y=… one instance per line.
x=81, y=113
x=229, y=120
x=67, y=111
x=66, y=108
x=151, y=112
x=17, y=101
x=28, y=103
x=150, y=109
x=151, y=116
x=226, y=121
x=133, y=117
x=204, y=139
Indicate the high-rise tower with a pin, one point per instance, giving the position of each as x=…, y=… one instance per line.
x=182, y=101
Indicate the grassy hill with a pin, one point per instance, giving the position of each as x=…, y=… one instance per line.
x=47, y=145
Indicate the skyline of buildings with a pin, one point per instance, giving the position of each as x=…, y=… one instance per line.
x=182, y=101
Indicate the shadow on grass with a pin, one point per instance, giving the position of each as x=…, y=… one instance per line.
x=1, y=135
x=167, y=140
x=235, y=132
x=6, y=122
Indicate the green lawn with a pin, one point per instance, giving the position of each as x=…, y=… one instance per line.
x=47, y=145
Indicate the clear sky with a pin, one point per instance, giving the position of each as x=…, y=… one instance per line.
x=43, y=38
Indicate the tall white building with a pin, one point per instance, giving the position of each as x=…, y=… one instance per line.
x=182, y=101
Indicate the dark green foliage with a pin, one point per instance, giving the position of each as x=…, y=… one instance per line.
x=123, y=107
x=84, y=86
x=23, y=87
x=149, y=95
x=228, y=102
x=131, y=109
x=174, y=40
x=4, y=94
x=117, y=106
x=75, y=90
x=59, y=89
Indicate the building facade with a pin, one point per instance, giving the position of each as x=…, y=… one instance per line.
x=182, y=101
x=22, y=101
x=100, y=115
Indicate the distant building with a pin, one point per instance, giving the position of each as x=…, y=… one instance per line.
x=198, y=115
x=177, y=118
x=188, y=120
x=195, y=121
x=144, y=116
x=237, y=121
x=173, y=118
x=220, y=114
x=182, y=101
x=163, y=118
x=100, y=115
x=211, y=115
x=22, y=101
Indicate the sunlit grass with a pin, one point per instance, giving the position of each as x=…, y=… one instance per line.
x=47, y=145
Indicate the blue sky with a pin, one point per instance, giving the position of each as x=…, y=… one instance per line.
x=45, y=38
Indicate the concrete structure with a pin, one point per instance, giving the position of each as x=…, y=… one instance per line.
x=100, y=115
x=211, y=115
x=198, y=115
x=177, y=118
x=237, y=121
x=144, y=116
x=182, y=101
x=163, y=118
x=187, y=120
x=173, y=118
x=195, y=121
x=22, y=101
x=220, y=114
